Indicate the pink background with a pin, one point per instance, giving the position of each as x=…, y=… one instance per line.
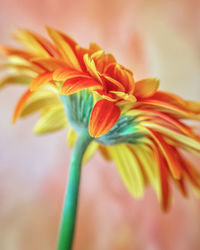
x=153, y=38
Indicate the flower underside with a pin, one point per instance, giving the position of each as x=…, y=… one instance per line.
x=138, y=127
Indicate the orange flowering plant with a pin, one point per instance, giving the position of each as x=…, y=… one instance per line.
x=130, y=122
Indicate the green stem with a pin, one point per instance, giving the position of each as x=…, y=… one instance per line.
x=68, y=220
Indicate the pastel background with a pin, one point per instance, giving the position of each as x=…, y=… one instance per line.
x=153, y=38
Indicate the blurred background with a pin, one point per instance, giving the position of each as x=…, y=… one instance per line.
x=154, y=38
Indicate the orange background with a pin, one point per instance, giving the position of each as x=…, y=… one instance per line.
x=153, y=38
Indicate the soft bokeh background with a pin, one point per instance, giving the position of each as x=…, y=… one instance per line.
x=153, y=38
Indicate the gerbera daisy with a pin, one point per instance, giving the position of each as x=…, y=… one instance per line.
x=141, y=129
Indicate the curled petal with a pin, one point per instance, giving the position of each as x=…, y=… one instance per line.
x=122, y=75
x=103, y=117
x=91, y=67
x=124, y=96
x=146, y=87
x=102, y=60
x=112, y=84
x=108, y=96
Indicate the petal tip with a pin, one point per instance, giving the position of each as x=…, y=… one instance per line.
x=103, y=117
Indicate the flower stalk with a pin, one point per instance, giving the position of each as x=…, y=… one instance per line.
x=68, y=220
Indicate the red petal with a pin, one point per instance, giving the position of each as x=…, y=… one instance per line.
x=74, y=85
x=103, y=117
x=20, y=105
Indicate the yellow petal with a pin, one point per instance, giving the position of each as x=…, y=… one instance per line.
x=15, y=79
x=35, y=43
x=128, y=168
x=144, y=155
x=71, y=137
x=90, y=151
x=146, y=87
x=40, y=100
x=53, y=119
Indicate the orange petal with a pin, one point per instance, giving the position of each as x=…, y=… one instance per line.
x=164, y=183
x=40, y=80
x=168, y=153
x=168, y=108
x=173, y=99
x=20, y=105
x=146, y=87
x=103, y=117
x=50, y=64
x=64, y=74
x=102, y=60
x=191, y=172
x=94, y=47
x=104, y=152
x=16, y=52
x=182, y=187
x=24, y=55
x=66, y=47
x=170, y=120
x=74, y=85
x=122, y=75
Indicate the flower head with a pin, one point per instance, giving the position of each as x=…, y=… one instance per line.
x=138, y=127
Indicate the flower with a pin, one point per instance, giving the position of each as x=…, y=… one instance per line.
x=141, y=129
